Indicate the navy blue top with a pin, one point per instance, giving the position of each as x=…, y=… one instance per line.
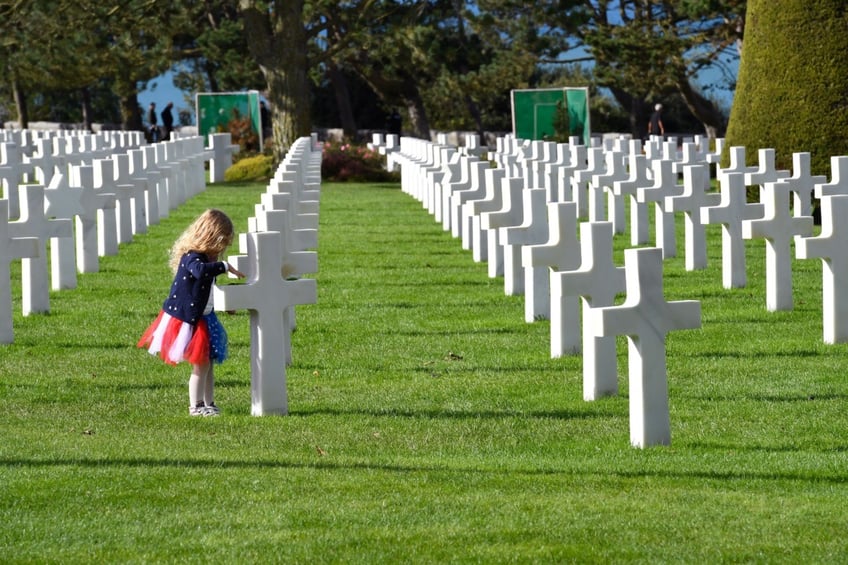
x=192, y=286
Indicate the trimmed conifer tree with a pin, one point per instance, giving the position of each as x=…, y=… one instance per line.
x=792, y=90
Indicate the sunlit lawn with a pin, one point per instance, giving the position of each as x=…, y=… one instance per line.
x=427, y=421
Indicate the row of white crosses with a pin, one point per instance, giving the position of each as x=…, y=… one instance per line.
x=274, y=252
x=494, y=210
x=89, y=206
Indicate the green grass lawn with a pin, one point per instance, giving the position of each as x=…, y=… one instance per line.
x=427, y=421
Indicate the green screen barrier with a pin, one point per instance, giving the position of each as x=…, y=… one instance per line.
x=216, y=110
x=534, y=112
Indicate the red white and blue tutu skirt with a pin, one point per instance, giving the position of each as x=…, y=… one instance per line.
x=174, y=340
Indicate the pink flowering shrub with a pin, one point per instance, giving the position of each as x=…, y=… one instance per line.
x=342, y=162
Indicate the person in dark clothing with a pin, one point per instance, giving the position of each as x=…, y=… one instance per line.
x=655, y=126
x=265, y=120
x=167, y=121
x=152, y=128
x=394, y=122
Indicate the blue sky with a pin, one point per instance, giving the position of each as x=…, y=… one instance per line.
x=161, y=91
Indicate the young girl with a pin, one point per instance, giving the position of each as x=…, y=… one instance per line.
x=187, y=328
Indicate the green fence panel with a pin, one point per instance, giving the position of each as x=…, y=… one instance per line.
x=534, y=112
x=215, y=110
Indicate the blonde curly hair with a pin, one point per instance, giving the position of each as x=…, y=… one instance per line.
x=211, y=233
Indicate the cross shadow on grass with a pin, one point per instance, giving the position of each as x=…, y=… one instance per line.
x=460, y=414
x=328, y=464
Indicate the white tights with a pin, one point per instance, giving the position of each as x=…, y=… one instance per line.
x=201, y=385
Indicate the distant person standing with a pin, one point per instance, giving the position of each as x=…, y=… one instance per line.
x=265, y=120
x=167, y=121
x=153, y=128
x=394, y=122
x=655, y=126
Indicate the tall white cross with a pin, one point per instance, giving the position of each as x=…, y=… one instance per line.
x=637, y=178
x=62, y=201
x=831, y=246
x=646, y=318
x=266, y=295
x=802, y=183
x=532, y=230
x=596, y=281
x=665, y=185
x=603, y=185
x=560, y=253
x=838, y=179
x=472, y=211
x=732, y=210
x=11, y=248
x=690, y=203
x=778, y=228
x=35, y=223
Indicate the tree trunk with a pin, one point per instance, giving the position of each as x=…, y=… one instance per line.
x=212, y=78
x=637, y=108
x=417, y=114
x=85, y=96
x=131, y=113
x=474, y=110
x=702, y=108
x=277, y=41
x=20, y=104
x=339, y=82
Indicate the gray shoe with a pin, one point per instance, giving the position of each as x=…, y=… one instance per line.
x=198, y=409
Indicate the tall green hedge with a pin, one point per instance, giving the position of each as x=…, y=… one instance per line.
x=792, y=92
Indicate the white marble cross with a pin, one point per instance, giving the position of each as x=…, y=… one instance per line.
x=12, y=171
x=766, y=170
x=778, y=228
x=136, y=189
x=831, y=246
x=578, y=161
x=266, y=295
x=107, y=220
x=691, y=156
x=602, y=185
x=149, y=180
x=460, y=181
x=802, y=183
x=11, y=248
x=580, y=179
x=295, y=261
x=596, y=281
x=475, y=188
x=474, y=211
x=45, y=161
x=690, y=203
x=167, y=199
x=838, y=179
x=62, y=201
x=665, y=185
x=221, y=150
x=34, y=222
x=550, y=174
x=646, y=318
x=731, y=211
x=303, y=235
x=510, y=214
x=560, y=253
x=92, y=201
x=637, y=178
x=738, y=164
x=532, y=230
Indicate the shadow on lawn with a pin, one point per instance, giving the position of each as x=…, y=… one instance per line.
x=462, y=414
x=594, y=472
